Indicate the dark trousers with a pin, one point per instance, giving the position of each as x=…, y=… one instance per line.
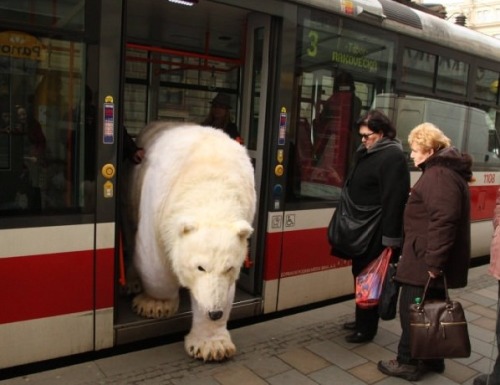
x=367, y=320
x=406, y=298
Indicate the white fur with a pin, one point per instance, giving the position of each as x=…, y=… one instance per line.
x=195, y=200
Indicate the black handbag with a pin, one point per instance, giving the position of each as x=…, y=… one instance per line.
x=438, y=328
x=353, y=226
x=388, y=301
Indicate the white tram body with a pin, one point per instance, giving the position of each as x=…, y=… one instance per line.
x=62, y=248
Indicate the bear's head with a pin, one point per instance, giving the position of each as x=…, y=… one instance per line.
x=207, y=258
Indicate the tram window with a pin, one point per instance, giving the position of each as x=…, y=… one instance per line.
x=452, y=76
x=483, y=139
x=174, y=87
x=487, y=85
x=418, y=68
x=43, y=161
x=137, y=64
x=67, y=14
x=338, y=67
x=135, y=108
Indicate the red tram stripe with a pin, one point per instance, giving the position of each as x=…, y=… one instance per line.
x=54, y=284
x=296, y=252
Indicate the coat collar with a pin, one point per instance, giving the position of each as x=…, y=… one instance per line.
x=453, y=159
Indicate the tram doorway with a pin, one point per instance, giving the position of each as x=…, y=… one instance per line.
x=177, y=59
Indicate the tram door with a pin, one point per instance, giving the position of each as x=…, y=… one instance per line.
x=253, y=102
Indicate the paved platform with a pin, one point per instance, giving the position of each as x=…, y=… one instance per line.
x=301, y=349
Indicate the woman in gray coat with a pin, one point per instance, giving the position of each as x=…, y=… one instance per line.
x=436, y=236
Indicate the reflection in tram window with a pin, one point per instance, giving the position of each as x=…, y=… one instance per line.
x=176, y=87
x=41, y=167
x=335, y=83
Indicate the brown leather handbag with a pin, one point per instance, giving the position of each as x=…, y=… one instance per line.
x=438, y=328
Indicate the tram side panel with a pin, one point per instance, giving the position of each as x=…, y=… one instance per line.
x=299, y=269
x=53, y=304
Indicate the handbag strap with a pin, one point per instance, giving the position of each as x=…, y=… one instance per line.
x=427, y=286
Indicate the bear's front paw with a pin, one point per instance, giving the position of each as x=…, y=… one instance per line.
x=149, y=307
x=217, y=348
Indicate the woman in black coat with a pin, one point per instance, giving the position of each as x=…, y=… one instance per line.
x=437, y=236
x=380, y=176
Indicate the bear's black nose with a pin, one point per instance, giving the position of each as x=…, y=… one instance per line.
x=215, y=315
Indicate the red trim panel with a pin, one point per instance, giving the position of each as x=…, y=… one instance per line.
x=482, y=200
x=54, y=284
x=105, y=278
x=272, y=256
x=305, y=251
x=308, y=251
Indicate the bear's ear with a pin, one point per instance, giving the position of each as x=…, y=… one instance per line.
x=243, y=229
x=187, y=225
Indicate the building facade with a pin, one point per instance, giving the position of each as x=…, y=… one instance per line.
x=481, y=15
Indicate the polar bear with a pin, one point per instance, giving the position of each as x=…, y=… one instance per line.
x=194, y=199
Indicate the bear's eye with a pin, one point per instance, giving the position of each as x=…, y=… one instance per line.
x=229, y=270
x=200, y=268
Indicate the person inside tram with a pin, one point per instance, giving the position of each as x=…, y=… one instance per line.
x=324, y=150
x=131, y=151
x=5, y=120
x=328, y=119
x=219, y=116
x=34, y=144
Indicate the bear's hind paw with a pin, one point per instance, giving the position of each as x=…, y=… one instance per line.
x=149, y=307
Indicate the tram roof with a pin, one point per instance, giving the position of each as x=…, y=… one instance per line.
x=412, y=22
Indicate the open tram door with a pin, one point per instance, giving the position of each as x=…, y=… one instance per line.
x=254, y=102
x=176, y=79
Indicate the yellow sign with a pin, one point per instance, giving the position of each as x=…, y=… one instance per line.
x=108, y=190
x=21, y=45
x=280, y=156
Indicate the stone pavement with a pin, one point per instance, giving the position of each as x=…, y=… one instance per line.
x=302, y=349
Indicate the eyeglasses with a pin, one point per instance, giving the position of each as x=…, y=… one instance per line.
x=366, y=136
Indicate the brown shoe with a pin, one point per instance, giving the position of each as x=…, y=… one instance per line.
x=396, y=369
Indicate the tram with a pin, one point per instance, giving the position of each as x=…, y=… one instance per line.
x=75, y=73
